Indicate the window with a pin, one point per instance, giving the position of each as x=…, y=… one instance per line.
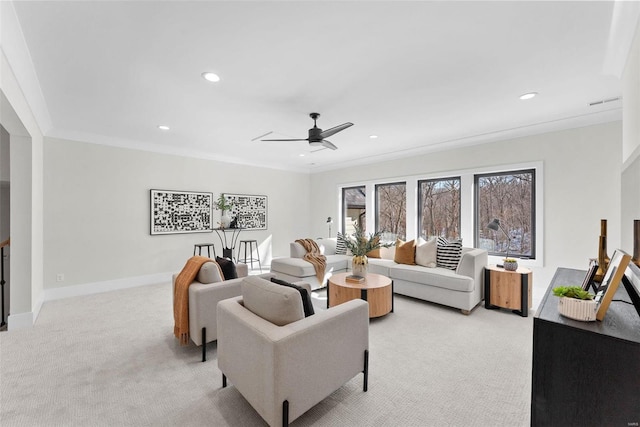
x=439, y=208
x=353, y=208
x=391, y=210
x=510, y=198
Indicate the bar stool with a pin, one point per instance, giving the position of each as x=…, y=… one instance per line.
x=209, y=246
x=249, y=244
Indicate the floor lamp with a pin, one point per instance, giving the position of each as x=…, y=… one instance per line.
x=329, y=221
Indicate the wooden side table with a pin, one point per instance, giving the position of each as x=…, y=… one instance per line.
x=377, y=290
x=508, y=289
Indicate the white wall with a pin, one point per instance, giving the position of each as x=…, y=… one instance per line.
x=16, y=116
x=581, y=185
x=631, y=144
x=96, y=210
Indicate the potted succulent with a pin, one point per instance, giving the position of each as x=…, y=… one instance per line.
x=359, y=244
x=510, y=264
x=576, y=303
x=222, y=205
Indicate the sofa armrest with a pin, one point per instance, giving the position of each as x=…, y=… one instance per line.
x=303, y=361
x=242, y=269
x=472, y=265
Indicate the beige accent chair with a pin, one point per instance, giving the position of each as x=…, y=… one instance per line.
x=280, y=361
x=205, y=292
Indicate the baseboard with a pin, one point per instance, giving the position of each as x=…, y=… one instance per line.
x=105, y=286
x=20, y=321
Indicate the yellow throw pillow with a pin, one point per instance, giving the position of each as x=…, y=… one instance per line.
x=374, y=253
x=405, y=252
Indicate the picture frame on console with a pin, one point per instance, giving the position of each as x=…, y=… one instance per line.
x=588, y=278
x=615, y=271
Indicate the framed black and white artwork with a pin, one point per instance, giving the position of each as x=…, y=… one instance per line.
x=175, y=212
x=249, y=210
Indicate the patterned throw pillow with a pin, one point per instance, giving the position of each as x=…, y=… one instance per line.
x=449, y=253
x=341, y=247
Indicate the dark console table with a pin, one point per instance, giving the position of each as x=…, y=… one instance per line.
x=585, y=373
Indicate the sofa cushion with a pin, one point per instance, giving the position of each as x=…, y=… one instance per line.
x=277, y=304
x=374, y=253
x=210, y=272
x=297, y=267
x=426, y=252
x=296, y=250
x=438, y=277
x=328, y=246
x=449, y=253
x=405, y=252
x=381, y=266
x=228, y=268
x=307, y=304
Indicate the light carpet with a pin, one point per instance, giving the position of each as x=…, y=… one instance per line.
x=111, y=360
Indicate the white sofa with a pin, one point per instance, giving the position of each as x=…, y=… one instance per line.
x=462, y=289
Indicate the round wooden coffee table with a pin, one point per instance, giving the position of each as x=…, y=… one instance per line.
x=377, y=290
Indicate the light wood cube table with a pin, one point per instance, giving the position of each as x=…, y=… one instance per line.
x=508, y=289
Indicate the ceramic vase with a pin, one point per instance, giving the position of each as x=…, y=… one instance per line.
x=511, y=265
x=603, y=258
x=225, y=219
x=578, y=309
x=360, y=265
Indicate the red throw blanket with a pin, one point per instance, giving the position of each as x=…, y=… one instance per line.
x=181, y=297
x=314, y=256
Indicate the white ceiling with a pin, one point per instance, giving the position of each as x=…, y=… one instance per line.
x=420, y=75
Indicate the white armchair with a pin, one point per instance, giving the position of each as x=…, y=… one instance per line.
x=283, y=371
x=203, y=302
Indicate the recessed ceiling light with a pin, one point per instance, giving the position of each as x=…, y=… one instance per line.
x=373, y=136
x=163, y=127
x=212, y=77
x=301, y=155
x=528, y=95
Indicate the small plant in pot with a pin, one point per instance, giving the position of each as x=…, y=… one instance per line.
x=576, y=303
x=510, y=264
x=222, y=205
x=360, y=245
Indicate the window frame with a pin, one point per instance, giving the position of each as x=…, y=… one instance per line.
x=376, y=204
x=534, y=212
x=467, y=202
x=344, y=207
x=420, y=211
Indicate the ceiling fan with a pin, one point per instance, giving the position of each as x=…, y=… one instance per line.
x=317, y=136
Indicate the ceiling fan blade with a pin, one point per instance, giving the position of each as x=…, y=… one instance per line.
x=284, y=140
x=327, y=133
x=327, y=144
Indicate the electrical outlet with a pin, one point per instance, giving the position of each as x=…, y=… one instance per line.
x=60, y=277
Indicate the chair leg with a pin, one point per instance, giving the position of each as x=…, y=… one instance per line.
x=224, y=380
x=204, y=344
x=366, y=371
x=285, y=413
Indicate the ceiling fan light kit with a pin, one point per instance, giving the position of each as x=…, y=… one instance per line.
x=317, y=136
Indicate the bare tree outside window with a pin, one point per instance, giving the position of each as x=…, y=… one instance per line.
x=354, y=202
x=509, y=197
x=391, y=210
x=439, y=208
